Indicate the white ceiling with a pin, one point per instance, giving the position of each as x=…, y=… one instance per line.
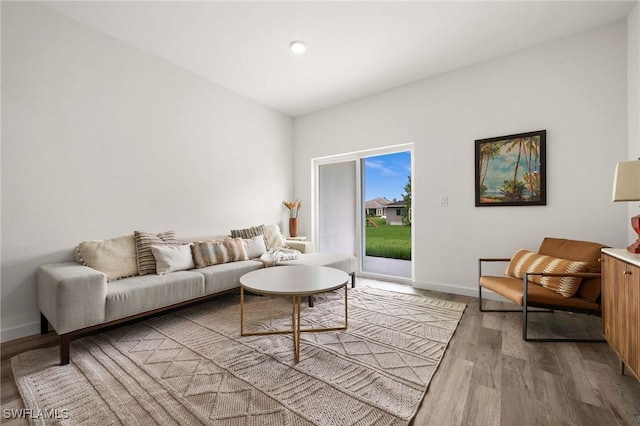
x=354, y=49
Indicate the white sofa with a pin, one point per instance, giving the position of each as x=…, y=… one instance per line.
x=77, y=299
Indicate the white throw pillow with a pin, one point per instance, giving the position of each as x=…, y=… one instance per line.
x=115, y=257
x=274, y=237
x=172, y=258
x=255, y=246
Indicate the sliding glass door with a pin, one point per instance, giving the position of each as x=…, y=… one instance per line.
x=364, y=208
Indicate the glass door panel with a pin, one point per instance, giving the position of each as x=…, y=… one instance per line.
x=337, y=200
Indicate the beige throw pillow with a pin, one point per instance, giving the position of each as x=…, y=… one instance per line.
x=172, y=258
x=255, y=246
x=115, y=257
x=526, y=261
x=144, y=240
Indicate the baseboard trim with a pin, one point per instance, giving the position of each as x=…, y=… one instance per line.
x=455, y=289
x=13, y=333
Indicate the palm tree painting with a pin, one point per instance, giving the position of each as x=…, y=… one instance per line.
x=510, y=170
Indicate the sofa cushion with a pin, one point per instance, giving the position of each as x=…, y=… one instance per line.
x=134, y=295
x=207, y=253
x=585, y=251
x=115, y=257
x=144, y=241
x=226, y=276
x=512, y=289
x=172, y=258
x=255, y=246
x=526, y=261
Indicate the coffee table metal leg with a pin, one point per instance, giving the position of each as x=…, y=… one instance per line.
x=293, y=326
x=346, y=310
x=296, y=327
x=241, y=311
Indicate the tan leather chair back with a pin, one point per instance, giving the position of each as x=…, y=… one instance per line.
x=584, y=251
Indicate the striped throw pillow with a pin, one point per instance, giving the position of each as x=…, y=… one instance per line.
x=144, y=255
x=208, y=253
x=527, y=261
x=248, y=233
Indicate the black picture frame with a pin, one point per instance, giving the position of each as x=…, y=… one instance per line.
x=511, y=170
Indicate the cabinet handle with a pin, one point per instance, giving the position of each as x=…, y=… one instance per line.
x=627, y=272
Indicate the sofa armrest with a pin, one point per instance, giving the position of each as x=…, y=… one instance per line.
x=303, y=246
x=71, y=296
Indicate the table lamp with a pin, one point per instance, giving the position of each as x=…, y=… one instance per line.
x=626, y=187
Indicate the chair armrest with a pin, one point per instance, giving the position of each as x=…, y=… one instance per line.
x=494, y=259
x=567, y=274
x=71, y=296
x=490, y=259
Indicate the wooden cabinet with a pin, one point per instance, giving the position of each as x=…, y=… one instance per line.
x=621, y=305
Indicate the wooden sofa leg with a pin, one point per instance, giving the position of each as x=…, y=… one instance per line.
x=44, y=324
x=64, y=350
x=353, y=280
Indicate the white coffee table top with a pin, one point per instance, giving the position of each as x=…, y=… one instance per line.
x=294, y=280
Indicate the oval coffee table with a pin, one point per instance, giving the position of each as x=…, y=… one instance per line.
x=295, y=282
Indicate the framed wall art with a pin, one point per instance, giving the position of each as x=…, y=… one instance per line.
x=510, y=170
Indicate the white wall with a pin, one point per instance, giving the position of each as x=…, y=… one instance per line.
x=633, y=98
x=575, y=88
x=101, y=139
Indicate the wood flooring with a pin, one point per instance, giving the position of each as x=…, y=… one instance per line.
x=489, y=375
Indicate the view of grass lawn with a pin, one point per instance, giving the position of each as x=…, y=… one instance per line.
x=392, y=241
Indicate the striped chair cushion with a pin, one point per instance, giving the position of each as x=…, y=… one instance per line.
x=527, y=261
x=207, y=253
x=144, y=255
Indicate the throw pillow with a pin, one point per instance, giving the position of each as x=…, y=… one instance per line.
x=80, y=260
x=144, y=256
x=255, y=246
x=274, y=237
x=115, y=257
x=207, y=253
x=526, y=261
x=172, y=258
x=251, y=232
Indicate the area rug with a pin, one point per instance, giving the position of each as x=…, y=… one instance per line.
x=193, y=367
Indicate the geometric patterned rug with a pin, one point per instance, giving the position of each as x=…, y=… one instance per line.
x=193, y=367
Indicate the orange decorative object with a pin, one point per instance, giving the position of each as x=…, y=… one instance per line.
x=635, y=224
x=293, y=226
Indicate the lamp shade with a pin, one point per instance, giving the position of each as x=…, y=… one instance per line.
x=626, y=183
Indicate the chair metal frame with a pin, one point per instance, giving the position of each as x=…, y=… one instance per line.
x=546, y=307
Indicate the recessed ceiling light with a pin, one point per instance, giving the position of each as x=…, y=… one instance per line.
x=297, y=47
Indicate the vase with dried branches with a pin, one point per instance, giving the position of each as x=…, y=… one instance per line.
x=294, y=208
